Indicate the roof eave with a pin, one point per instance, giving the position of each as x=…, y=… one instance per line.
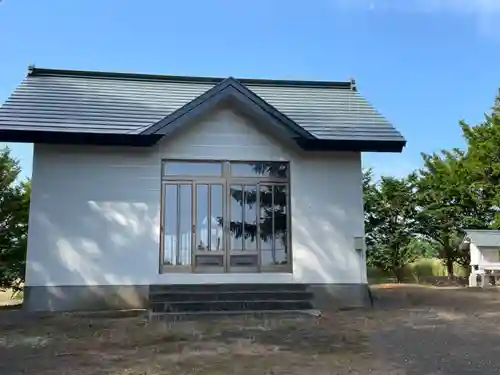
x=147, y=140
x=395, y=146
x=76, y=138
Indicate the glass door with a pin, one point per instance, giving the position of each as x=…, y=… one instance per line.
x=243, y=255
x=222, y=216
x=225, y=227
x=208, y=227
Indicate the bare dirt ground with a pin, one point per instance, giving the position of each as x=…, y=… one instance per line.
x=412, y=331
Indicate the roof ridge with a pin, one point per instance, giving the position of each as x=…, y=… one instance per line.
x=482, y=230
x=34, y=71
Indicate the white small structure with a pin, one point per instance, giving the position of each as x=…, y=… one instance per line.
x=484, y=247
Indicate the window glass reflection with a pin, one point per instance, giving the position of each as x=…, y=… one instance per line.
x=216, y=230
x=202, y=220
x=177, y=224
x=273, y=224
x=185, y=224
x=170, y=225
x=236, y=212
x=260, y=169
x=184, y=168
x=280, y=202
x=266, y=224
x=244, y=219
x=250, y=217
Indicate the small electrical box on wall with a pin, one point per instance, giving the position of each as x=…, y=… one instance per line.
x=359, y=244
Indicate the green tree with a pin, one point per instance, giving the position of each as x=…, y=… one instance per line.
x=445, y=204
x=424, y=248
x=389, y=221
x=14, y=209
x=453, y=191
x=483, y=167
x=273, y=206
x=461, y=189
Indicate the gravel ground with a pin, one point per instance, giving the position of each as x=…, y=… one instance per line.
x=412, y=331
x=427, y=330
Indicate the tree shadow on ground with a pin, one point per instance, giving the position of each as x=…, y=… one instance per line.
x=115, y=345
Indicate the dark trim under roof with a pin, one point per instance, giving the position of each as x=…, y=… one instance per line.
x=106, y=139
x=20, y=121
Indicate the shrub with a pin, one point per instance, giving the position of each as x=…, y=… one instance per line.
x=413, y=272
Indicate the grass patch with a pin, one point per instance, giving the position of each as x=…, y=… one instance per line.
x=417, y=272
x=241, y=345
x=9, y=297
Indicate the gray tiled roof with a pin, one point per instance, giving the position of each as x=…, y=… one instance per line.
x=56, y=100
x=486, y=237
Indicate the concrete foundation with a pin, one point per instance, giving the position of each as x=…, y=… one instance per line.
x=335, y=296
x=85, y=297
x=118, y=297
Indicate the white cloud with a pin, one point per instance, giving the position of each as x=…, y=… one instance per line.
x=483, y=12
x=484, y=7
x=425, y=6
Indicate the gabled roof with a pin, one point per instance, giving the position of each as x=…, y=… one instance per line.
x=483, y=237
x=228, y=89
x=68, y=106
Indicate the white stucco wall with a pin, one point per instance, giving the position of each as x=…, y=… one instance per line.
x=475, y=255
x=487, y=255
x=95, y=211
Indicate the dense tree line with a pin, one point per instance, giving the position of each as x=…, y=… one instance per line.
x=427, y=211
x=14, y=208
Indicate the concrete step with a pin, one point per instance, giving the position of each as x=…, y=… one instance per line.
x=241, y=295
x=222, y=305
x=158, y=288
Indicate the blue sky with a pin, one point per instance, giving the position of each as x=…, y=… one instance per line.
x=424, y=64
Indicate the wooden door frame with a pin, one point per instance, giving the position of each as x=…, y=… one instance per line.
x=226, y=180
